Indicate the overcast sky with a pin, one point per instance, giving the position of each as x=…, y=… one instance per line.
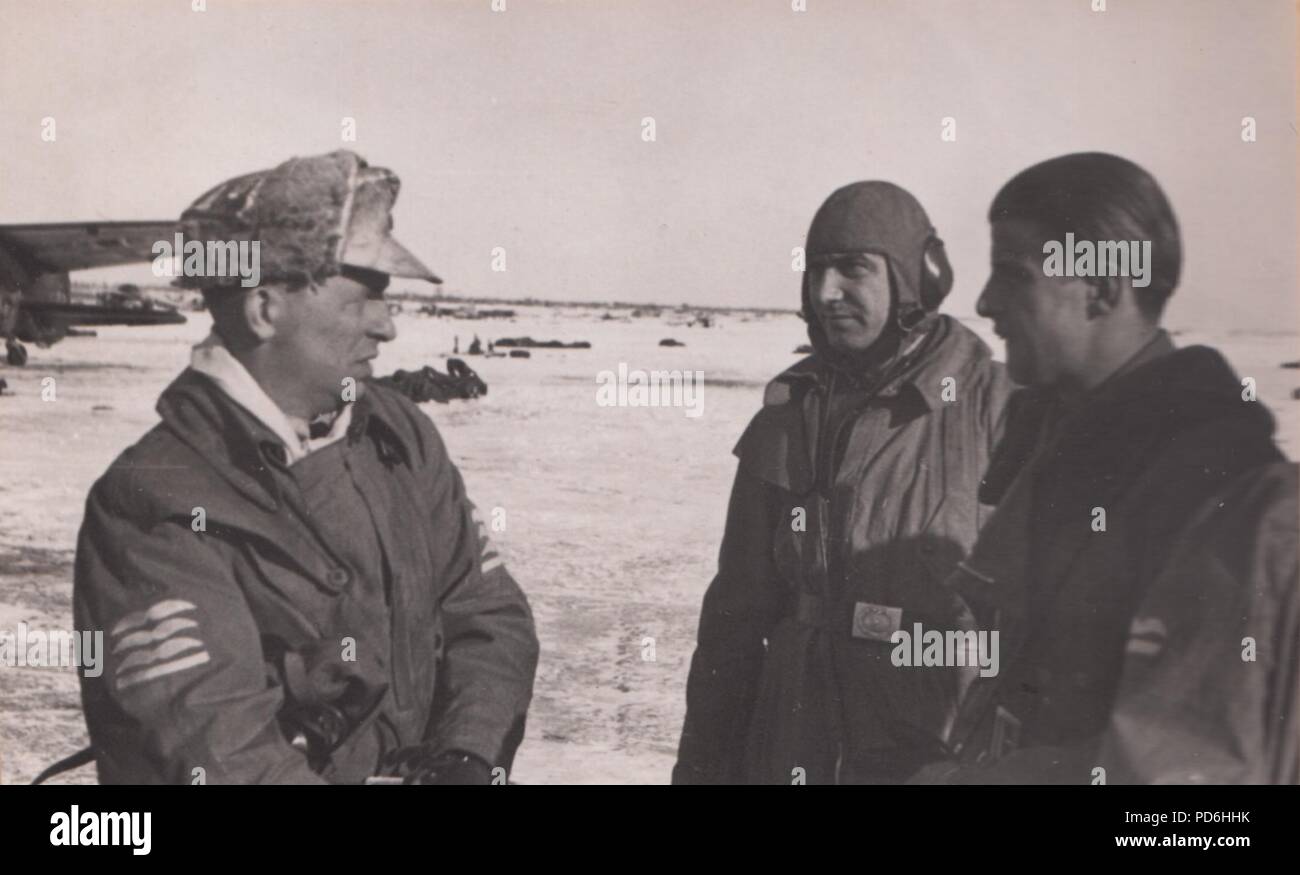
x=523, y=129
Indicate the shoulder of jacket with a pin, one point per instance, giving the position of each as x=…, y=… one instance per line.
x=143, y=480
x=1191, y=471
x=978, y=359
x=772, y=447
x=1261, y=498
x=1219, y=447
x=995, y=383
x=788, y=385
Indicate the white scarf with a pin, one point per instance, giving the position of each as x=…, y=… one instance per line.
x=214, y=361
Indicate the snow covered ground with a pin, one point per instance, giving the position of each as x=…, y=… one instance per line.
x=612, y=514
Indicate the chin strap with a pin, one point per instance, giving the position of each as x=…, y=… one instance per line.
x=911, y=318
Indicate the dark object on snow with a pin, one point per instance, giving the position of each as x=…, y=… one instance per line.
x=520, y=354
x=668, y=341
x=804, y=349
x=427, y=384
x=475, y=348
x=1295, y=393
x=82, y=757
x=4, y=386
x=471, y=312
x=1295, y=364
x=529, y=343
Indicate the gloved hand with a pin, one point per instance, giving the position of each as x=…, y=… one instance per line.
x=418, y=765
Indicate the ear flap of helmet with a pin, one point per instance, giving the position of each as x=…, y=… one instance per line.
x=936, y=282
x=936, y=274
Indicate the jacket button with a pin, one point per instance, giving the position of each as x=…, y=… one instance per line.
x=339, y=576
x=275, y=452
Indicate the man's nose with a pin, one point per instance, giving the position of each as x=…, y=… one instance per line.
x=380, y=325
x=825, y=289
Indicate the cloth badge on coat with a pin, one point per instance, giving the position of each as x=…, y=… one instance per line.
x=876, y=622
x=156, y=642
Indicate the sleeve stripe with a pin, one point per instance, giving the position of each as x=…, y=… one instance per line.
x=162, y=670
x=157, y=612
x=166, y=650
x=162, y=632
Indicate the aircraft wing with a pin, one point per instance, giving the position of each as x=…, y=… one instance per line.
x=52, y=314
x=80, y=245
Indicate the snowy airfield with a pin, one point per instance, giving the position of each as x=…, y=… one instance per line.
x=612, y=514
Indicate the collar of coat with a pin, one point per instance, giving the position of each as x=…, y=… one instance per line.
x=1181, y=408
x=212, y=359
x=1033, y=413
x=776, y=447
x=949, y=349
x=242, y=449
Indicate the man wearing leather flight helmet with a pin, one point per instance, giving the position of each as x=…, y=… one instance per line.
x=854, y=498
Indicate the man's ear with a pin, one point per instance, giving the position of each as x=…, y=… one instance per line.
x=264, y=307
x=1103, y=295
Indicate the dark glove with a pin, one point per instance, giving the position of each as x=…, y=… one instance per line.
x=417, y=765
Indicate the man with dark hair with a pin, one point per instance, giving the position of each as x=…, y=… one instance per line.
x=854, y=497
x=1100, y=197
x=294, y=586
x=1116, y=443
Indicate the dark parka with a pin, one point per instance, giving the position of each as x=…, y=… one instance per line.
x=1098, y=498
x=783, y=685
x=227, y=631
